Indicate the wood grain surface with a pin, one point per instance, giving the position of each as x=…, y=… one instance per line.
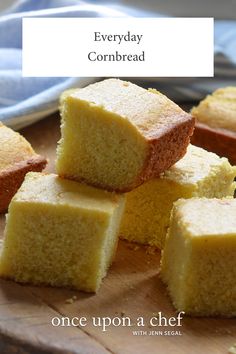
x=132, y=289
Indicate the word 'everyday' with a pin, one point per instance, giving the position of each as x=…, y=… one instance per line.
x=119, y=38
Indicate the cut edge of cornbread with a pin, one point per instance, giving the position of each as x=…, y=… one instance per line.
x=198, y=264
x=26, y=258
x=76, y=167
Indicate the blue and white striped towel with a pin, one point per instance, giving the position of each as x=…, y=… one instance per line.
x=26, y=100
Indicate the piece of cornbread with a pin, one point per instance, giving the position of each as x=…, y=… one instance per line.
x=116, y=135
x=199, y=259
x=216, y=123
x=199, y=173
x=60, y=233
x=218, y=110
x=16, y=159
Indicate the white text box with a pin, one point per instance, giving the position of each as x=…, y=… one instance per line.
x=95, y=47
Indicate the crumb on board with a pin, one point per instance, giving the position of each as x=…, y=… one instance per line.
x=150, y=250
x=71, y=299
x=223, y=331
x=232, y=349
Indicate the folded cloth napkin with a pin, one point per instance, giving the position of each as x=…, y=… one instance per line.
x=23, y=101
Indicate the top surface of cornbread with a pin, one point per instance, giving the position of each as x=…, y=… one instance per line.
x=146, y=109
x=202, y=216
x=13, y=148
x=218, y=110
x=195, y=166
x=51, y=189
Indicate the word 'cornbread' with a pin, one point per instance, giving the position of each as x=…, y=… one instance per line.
x=198, y=174
x=16, y=158
x=199, y=263
x=116, y=135
x=60, y=233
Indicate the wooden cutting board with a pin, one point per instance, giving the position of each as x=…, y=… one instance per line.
x=132, y=289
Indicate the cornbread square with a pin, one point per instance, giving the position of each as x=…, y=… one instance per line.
x=199, y=259
x=16, y=159
x=60, y=233
x=218, y=110
x=198, y=174
x=216, y=123
x=116, y=135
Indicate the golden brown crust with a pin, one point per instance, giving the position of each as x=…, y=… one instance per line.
x=12, y=178
x=167, y=149
x=220, y=141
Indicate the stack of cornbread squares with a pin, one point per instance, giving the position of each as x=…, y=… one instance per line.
x=123, y=161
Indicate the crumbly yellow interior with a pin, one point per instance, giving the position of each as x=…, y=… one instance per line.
x=218, y=110
x=106, y=128
x=60, y=233
x=198, y=262
x=198, y=174
x=84, y=154
x=13, y=148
